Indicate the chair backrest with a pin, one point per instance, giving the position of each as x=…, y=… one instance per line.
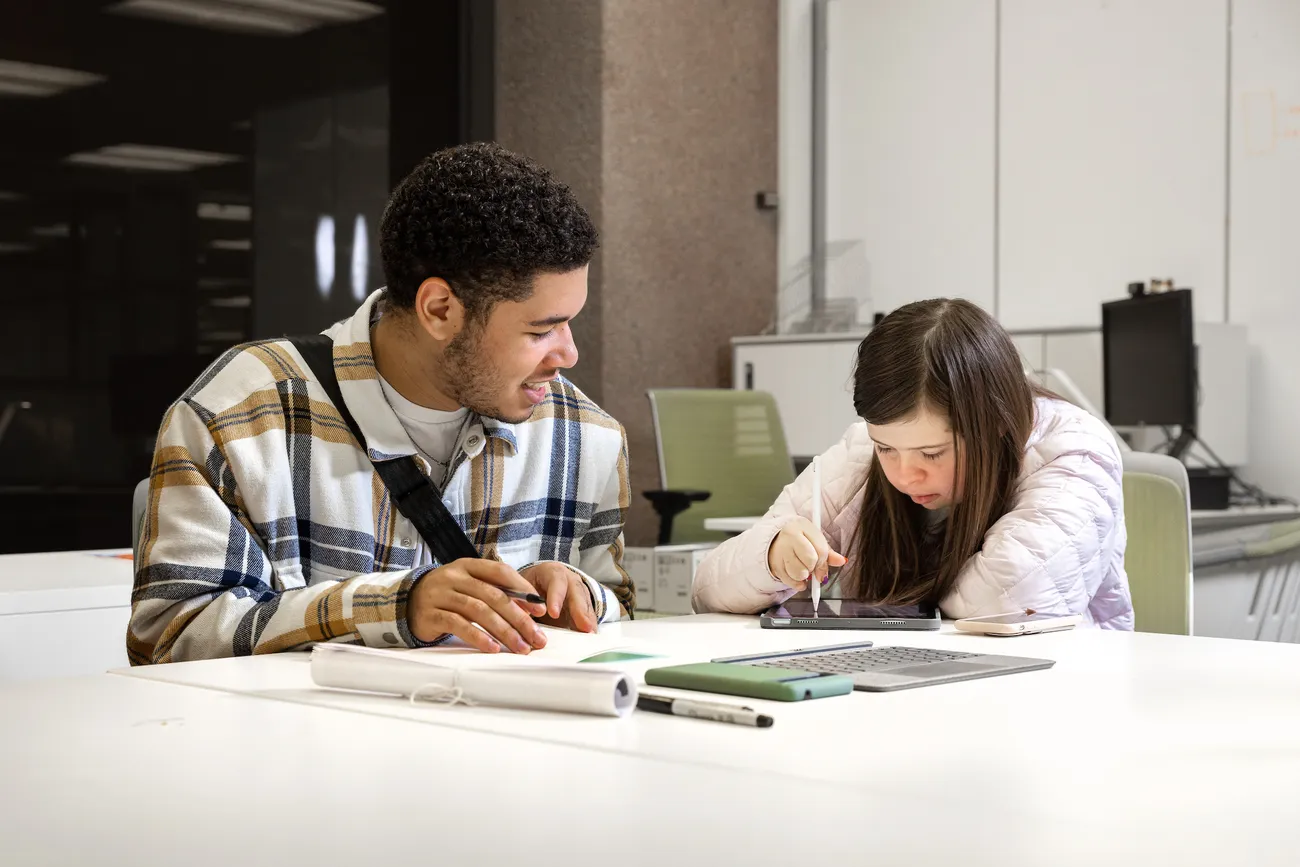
x=139, y=503
x=729, y=442
x=1158, y=558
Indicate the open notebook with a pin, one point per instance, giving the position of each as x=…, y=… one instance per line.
x=553, y=678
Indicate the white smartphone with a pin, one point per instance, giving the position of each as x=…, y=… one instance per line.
x=1028, y=622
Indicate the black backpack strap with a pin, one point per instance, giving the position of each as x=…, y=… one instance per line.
x=318, y=351
x=421, y=503
x=413, y=493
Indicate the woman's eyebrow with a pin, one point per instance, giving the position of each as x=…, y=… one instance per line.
x=913, y=448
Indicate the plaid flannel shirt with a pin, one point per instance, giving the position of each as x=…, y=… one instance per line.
x=267, y=528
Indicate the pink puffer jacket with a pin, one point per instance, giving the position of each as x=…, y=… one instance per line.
x=1060, y=548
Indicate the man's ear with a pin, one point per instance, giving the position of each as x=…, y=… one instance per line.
x=438, y=310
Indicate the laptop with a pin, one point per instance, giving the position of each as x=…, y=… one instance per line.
x=885, y=669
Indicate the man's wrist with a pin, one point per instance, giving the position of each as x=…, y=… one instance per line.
x=591, y=591
x=410, y=613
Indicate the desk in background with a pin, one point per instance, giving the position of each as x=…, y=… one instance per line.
x=1256, y=601
x=1240, y=516
x=63, y=613
x=734, y=526
x=811, y=378
x=1202, y=519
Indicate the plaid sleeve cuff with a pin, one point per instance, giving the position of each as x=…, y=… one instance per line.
x=380, y=618
x=603, y=600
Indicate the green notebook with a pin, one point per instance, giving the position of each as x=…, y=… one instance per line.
x=730, y=678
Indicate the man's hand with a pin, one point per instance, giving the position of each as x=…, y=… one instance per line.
x=455, y=597
x=568, y=601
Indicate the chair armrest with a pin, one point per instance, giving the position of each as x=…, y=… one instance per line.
x=668, y=504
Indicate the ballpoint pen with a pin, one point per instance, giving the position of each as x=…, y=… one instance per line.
x=716, y=711
x=527, y=597
x=815, y=583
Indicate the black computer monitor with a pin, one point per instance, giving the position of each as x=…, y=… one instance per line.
x=1148, y=354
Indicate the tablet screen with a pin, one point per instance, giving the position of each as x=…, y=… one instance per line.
x=802, y=607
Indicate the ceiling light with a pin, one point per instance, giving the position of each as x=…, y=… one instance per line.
x=10, y=196
x=237, y=244
x=108, y=161
x=12, y=87
x=15, y=247
x=31, y=79
x=267, y=17
x=218, y=211
x=321, y=10
x=179, y=155
x=149, y=158
x=54, y=230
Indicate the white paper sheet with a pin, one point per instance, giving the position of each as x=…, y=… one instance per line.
x=563, y=647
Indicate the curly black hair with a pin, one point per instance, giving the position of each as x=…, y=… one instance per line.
x=487, y=221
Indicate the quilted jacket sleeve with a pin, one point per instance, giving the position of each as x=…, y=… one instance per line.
x=734, y=577
x=1051, y=551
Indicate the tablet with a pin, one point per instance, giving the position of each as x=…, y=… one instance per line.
x=798, y=613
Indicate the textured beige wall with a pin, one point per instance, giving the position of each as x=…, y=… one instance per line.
x=672, y=136
x=690, y=114
x=549, y=61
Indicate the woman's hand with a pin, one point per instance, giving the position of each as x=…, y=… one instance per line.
x=800, y=551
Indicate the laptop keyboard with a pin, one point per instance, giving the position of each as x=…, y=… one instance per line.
x=867, y=659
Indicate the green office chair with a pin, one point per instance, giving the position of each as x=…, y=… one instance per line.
x=722, y=453
x=1158, y=558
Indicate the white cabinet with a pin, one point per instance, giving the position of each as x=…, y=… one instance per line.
x=63, y=614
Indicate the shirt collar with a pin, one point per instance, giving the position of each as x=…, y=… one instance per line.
x=354, y=364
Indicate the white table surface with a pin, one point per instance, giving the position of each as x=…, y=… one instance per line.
x=1140, y=733
x=118, y=770
x=64, y=580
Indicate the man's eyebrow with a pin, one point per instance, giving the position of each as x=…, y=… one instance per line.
x=550, y=320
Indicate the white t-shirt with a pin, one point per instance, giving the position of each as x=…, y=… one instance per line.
x=434, y=431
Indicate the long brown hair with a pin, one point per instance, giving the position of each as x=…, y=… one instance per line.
x=952, y=358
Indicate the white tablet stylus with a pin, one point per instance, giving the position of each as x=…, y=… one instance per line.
x=817, y=522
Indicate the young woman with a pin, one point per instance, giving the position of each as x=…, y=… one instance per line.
x=964, y=485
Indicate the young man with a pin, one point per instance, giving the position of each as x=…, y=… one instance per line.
x=268, y=528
